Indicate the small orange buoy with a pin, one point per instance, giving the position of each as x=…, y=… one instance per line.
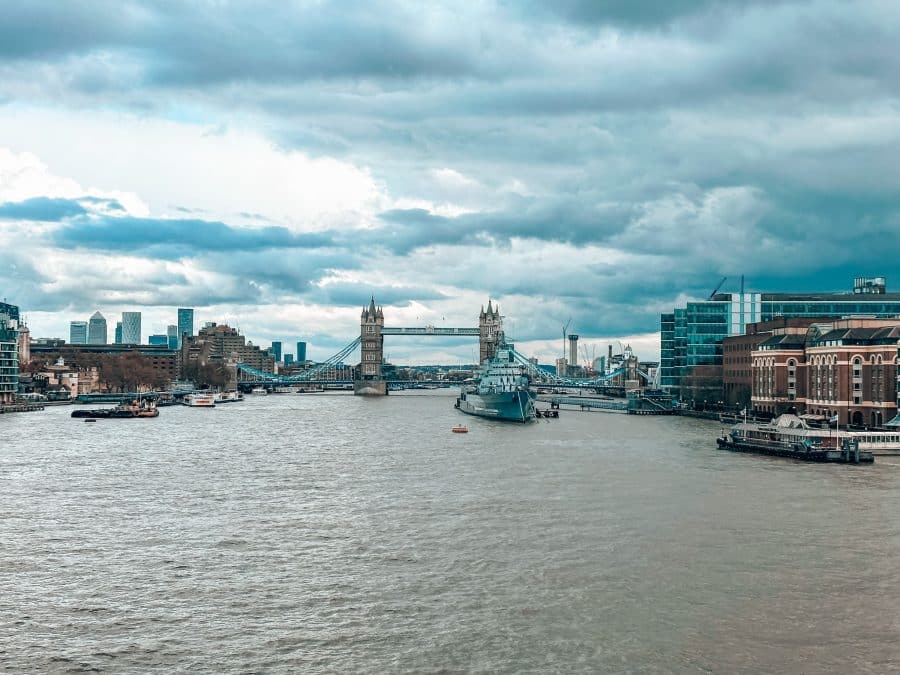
x=460, y=429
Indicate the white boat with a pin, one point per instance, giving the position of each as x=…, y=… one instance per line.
x=259, y=390
x=200, y=400
x=229, y=397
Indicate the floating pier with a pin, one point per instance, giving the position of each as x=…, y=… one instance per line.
x=21, y=407
x=637, y=403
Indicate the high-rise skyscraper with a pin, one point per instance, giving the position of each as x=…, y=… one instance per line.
x=301, y=352
x=288, y=359
x=97, y=334
x=118, y=332
x=131, y=328
x=185, y=323
x=78, y=332
x=276, y=351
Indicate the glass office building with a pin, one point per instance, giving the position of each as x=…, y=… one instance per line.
x=185, y=323
x=691, y=336
x=78, y=332
x=131, y=328
x=97, y=333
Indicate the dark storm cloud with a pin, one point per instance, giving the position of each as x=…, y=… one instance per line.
x=704, y=138
x=628, y=12
x=291, y=273
x=43, y=29
x=44, y=209
x=566, y=221
x=178, y=238
x=354, y=294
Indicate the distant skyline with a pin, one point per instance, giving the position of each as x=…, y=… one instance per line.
x=273, y=165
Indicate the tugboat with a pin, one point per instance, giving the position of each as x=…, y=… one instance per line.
x=500, y=390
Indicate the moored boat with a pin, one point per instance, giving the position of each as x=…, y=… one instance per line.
x=500, y=390
x=790, y=436
x=144, y=408
x=228, y=397
x=200, y=400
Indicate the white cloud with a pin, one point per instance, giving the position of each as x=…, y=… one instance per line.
x=221, y=173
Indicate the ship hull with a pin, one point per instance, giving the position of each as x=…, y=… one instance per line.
x=514, y=406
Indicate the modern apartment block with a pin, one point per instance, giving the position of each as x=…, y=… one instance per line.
x=691, y=350
x=9, y=352
x=221, y=344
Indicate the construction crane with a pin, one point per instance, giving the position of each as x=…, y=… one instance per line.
x=565, y=329
x=716, y=289
x=589, y=358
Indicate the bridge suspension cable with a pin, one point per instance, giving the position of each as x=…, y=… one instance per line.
x=314, y=373
x=549, y=378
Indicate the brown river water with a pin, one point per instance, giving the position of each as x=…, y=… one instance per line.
x=330, y=533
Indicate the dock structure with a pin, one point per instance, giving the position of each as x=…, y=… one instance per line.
x=584, y=402
x=637, y=403
x=21, y=407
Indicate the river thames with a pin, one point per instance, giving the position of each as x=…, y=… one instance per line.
x=323, y=533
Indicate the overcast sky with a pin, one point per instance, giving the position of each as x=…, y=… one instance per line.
x=276, y=164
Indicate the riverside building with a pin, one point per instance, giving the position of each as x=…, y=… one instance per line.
x=844, y=371
x=691, y=337
x=9, y=352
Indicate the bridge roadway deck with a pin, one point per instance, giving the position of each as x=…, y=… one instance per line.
x=431, y=330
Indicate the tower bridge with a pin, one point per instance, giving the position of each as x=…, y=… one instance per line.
x=369, y=378
x=371, y=336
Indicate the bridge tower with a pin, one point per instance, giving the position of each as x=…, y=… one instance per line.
x=371, y=324
x=490, y=332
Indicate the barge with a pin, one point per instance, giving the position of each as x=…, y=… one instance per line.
x=790, y=436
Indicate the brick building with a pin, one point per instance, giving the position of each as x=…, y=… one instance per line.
x=737, y=377
x=162, y=360
x=220, y=344
x=844, y=369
